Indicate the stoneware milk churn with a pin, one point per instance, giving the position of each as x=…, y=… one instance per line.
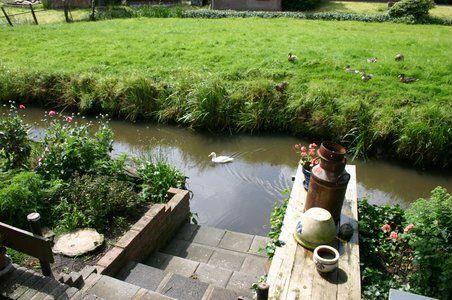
x=328, y=180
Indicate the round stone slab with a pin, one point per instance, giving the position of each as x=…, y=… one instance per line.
x=78, y=242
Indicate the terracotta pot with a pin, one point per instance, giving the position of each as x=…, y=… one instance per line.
x=315, y=227
x=329, y=180
x=326, y=258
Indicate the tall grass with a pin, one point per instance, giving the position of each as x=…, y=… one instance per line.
x=220, y=75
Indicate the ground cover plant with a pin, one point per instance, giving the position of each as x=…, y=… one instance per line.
x=70, y=178
x=409, y=250
x=223, y=75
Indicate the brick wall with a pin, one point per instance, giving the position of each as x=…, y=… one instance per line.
x=151, y=232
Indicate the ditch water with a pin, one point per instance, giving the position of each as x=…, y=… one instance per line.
x=240, y=196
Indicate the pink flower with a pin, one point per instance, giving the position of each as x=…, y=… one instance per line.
x=52, y=113
x=315, y=161
x=393, y=235
x=297, y=146
x=386, y=228
x=311, y=151
x=69, y=119
x=408, y=228
x=303, y=149
x=313, y=145
x=21, y=106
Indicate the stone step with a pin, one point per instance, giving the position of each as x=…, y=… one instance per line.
x=197, y=286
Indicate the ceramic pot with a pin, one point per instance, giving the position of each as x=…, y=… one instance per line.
x=314, y=228
x=307, y=178
x=325, y=258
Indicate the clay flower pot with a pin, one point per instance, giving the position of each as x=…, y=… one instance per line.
x=325, y=258
x=314, y=228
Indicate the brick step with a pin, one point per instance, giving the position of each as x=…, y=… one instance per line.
x=197, y=286
x=22, y=283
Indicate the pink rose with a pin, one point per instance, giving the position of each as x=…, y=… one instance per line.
x=393, y=235
x=386, y=228
x=21, y=106
x=312, y=151
x=313, y=145
x=408, y=228
x=303, y=149
x=69, y=119
x=52, y=113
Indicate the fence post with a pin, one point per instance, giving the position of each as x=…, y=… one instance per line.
x=262, y=291
x=33, y=13
x=66, y=11
x=35, y=225
x=93, y=10
x=6, y=16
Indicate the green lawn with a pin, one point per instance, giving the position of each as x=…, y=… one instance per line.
x=443, y=11
x=220, y=74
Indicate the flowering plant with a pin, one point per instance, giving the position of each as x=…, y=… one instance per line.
x=308, y=157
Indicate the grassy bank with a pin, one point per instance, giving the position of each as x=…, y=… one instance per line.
x=221, y=75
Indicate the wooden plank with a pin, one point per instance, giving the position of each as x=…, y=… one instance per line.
x=292, y=274
x=26, y=242
x=349, y=279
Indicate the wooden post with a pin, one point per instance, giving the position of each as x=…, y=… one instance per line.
x=6, y=16
x=33, y=14
x=66, y=11
x=93, y=10
x=262, y=291
x=35, y=225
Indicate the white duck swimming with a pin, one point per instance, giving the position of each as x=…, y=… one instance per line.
x=220, y=159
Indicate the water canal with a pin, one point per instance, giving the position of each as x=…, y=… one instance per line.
x=240, y=196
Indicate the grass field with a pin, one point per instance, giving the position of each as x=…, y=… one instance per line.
x=221, y=74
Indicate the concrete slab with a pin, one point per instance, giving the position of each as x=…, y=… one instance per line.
x=56, y=292
x=254, y=265
x=241, y=283
x=227, y=259
x=111, y=288
x=144, y=276
x=258, y=245
x=175, y=247
x=208, y=236
x=236, y=241
x=174, y=264
x=197, y=252
x=144, y=294
x=183, y=288
x=213, y=275
x=186, y=232
x=219, y=293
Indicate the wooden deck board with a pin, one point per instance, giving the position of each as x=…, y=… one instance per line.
x=292, y=274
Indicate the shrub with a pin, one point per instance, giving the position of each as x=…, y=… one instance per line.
x=15, y=147
x=380, y=256
x=418, y=9
x=157, y=178
x=299, y=4
x=276, y=222
x=23, y=193
x=70, y=148
x=431, y=241
x=95, y=202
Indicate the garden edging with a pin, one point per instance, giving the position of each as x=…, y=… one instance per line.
x=148, y=234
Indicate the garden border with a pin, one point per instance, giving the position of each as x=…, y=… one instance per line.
x=148, y=234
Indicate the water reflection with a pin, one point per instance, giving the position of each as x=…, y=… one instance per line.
x=240, y=196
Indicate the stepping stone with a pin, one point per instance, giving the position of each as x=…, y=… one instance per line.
x=197, y=253
x=227, y=259
x=236, y=241
x=213, y=275
x=254, y=265
x=112, y=288
x=186, y=232
x=78, y=242
x=143, y=276
x=176, y=247
x=241, y=283
x=219, y=293
x=174, y=264
x=208, y=236
x=183, y=288
x=258, y=245
x=144, y=294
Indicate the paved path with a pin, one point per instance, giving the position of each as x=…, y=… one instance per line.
x=203, y=263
